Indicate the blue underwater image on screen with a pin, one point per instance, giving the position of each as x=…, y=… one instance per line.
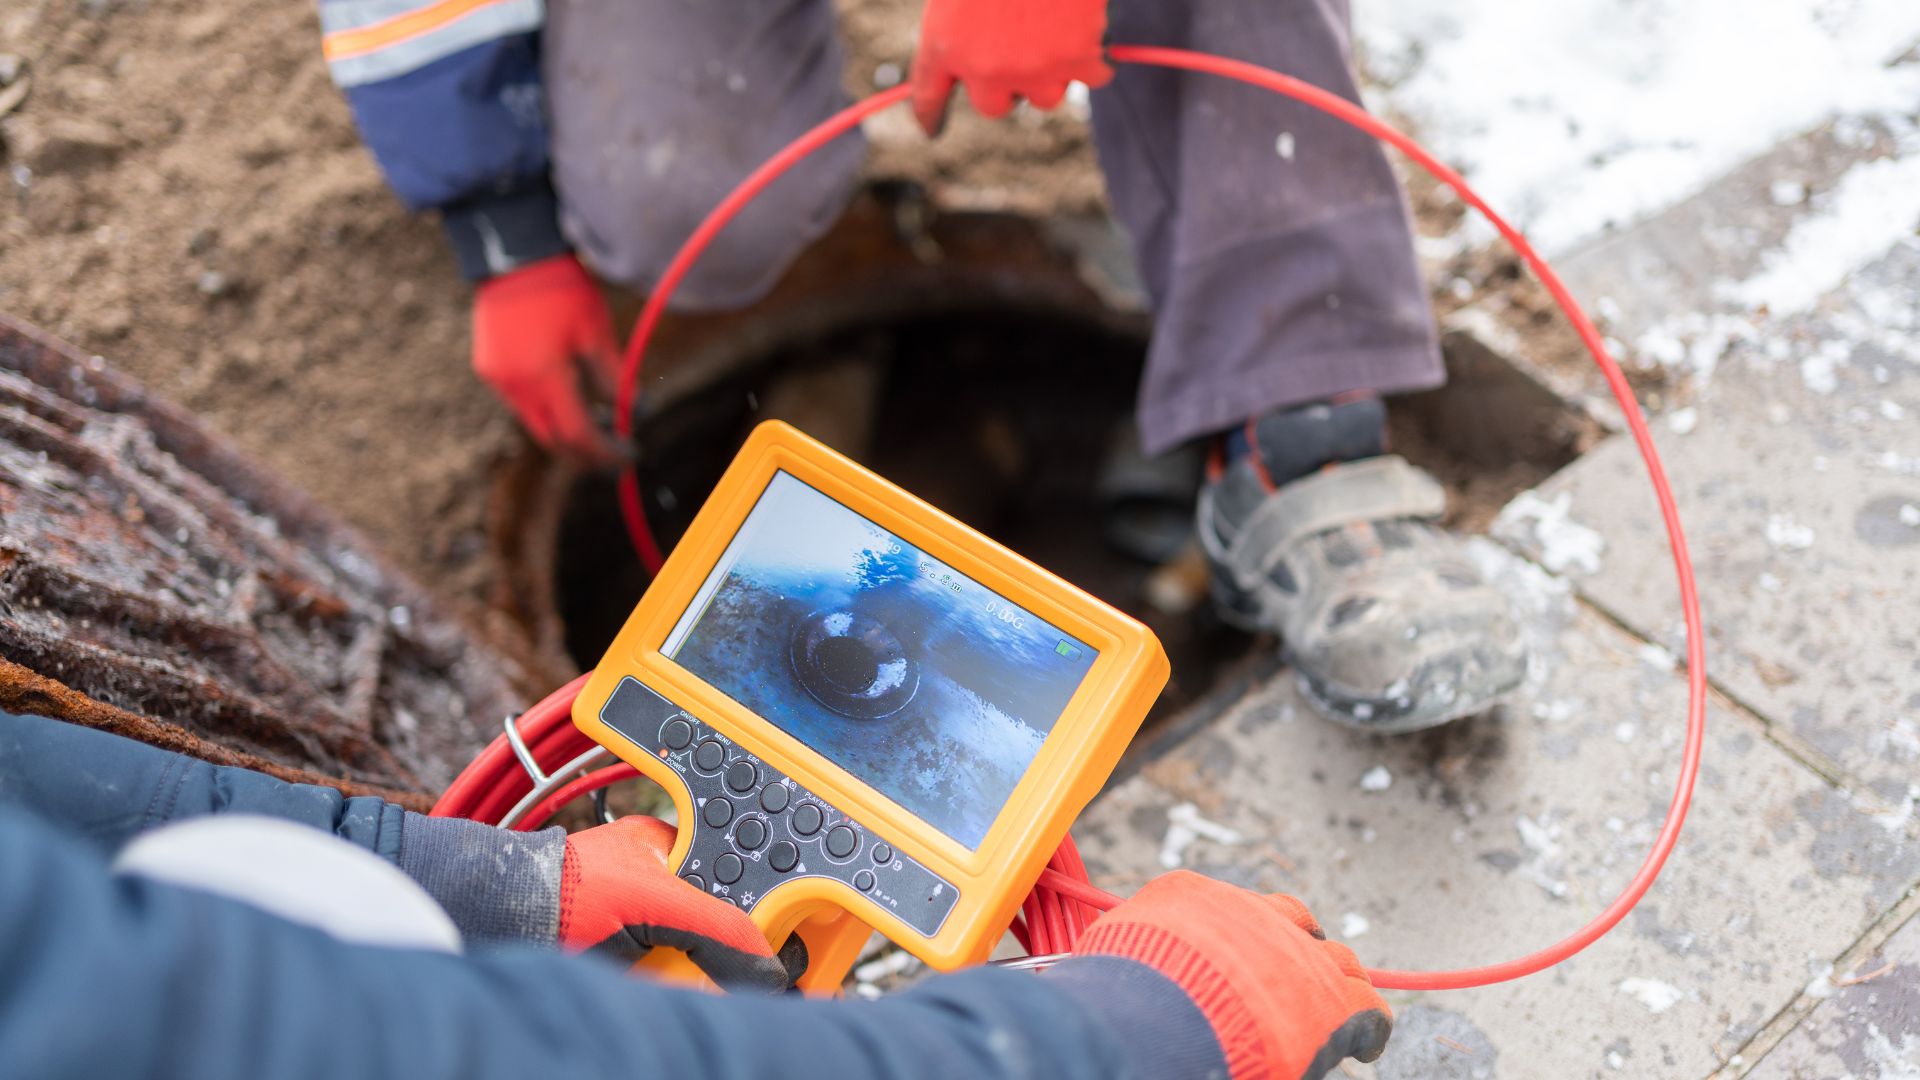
x=918, y=680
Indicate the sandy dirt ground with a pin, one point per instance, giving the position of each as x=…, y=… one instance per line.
x=184, y=193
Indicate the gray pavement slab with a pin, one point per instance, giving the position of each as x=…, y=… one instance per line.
x=1502, y=833
x=1798, y=477
x=1674, y=263
x=1868, y=1026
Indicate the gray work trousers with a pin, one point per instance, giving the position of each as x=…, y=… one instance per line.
x=1277, y=277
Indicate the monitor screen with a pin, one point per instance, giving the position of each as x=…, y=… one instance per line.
x=930, y=687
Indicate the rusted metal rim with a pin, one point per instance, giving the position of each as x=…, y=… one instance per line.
x=157, y=583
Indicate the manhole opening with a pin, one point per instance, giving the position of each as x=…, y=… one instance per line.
x=1009, y=421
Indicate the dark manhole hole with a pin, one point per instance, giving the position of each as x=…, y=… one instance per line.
x=1006, y=421
x=1009, y=422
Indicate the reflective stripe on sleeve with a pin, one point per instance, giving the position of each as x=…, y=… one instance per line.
x=370, y=40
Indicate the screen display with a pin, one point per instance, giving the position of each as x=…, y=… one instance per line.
x=920, y=681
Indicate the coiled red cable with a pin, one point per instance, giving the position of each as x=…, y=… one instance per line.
x=1055, y=912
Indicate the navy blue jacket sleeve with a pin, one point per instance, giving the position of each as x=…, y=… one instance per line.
x=105, y=976
x=449, y=97
x=107, y=788
x=496, y=885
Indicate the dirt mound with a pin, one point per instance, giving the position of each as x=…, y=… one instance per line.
x=187, y=195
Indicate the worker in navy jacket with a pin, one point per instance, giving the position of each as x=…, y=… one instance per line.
x=139, y=971
x=561, y=140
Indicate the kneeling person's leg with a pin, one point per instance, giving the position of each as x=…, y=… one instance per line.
x=1277, y=246
x=660, y=107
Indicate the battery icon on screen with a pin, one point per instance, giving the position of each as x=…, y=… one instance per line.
x=1067, y=649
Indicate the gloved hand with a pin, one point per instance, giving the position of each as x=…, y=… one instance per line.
x=618, y=897
x=1284, y=1001
x=1004, y=48
x=534, y=328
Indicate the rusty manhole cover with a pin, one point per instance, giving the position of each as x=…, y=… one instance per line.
x=155, y=582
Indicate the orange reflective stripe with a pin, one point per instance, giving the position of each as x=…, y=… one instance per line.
x=342, y=44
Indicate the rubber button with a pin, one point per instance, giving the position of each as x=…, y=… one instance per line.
x=841, y=841
x=741, y=776
x=882, y=854
x=750, y=834
x=676, y=733
x=807, y=819
x=709, y=754
x=696, y=881
x=717, y=813
x=784, y=856
x=728, y=868
x=863, y=880
x=773, y=798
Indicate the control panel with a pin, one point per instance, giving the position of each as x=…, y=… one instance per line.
x=758, y=829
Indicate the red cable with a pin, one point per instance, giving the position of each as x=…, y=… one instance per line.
x=1061, y=884
x=631, y=509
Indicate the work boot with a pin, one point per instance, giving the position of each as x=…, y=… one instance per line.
x=1316, y=534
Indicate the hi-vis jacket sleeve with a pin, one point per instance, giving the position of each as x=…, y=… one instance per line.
x=448, y=96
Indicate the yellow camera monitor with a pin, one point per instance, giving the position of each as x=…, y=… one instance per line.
x=867, y=713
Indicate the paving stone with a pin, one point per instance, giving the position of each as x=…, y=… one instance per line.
x=1799, y=483
x=1503, y=833
x=1868, y=1030
x=1673, y=263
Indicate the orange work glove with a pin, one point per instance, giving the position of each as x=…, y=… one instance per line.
x=1285, y=1003
x=619, y=898
x=1005, y=48
x=533, y=329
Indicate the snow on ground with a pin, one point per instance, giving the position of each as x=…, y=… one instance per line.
x=1575, y=115
x=1873, y=203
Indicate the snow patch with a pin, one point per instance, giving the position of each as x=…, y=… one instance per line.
x=1657, y=996
x=1545, y=862
x=1787, y=534
x=1658, y=657
x=1821, y=986
x=1873, y=204
x=1185, y=825
x=1578, y=115
x=1353, y=924
x=1376, y=779
x=1564, y=544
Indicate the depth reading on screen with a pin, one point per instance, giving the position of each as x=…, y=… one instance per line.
x=925, y=684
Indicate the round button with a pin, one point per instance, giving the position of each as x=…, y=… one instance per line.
x=717, y=813
x=773, y=798
x=863, y=880
x=750, y=834
x=709, y=754
x=676, y=733
x=841, y=841
x=882, y=854
x=784, y=856
x=741, y=776
x=696, y=881
x=807, y=819
x=728, y=868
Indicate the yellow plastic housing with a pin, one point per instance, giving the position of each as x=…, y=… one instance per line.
x=1073, y=762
